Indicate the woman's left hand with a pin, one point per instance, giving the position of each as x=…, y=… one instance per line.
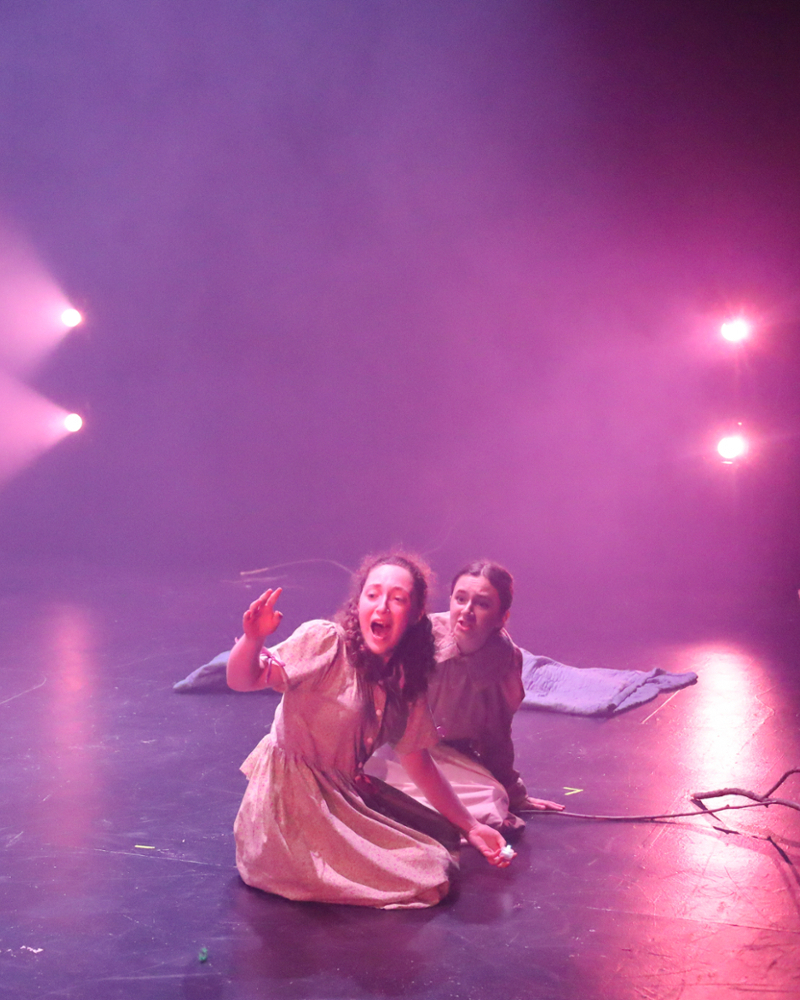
x=491, y=845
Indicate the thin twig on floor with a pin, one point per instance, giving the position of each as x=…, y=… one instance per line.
x=698, y=798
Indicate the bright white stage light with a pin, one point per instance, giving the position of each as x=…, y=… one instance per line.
x=34, y=313
x=735, y=330
x=71, y=317
x=73, y=422
x=29, y=425
x=732, y=447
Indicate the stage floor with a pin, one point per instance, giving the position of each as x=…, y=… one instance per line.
x=119, y=796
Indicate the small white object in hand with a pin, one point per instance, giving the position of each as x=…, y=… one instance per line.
x=507, y=852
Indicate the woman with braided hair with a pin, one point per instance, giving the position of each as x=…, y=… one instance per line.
x=473, y=693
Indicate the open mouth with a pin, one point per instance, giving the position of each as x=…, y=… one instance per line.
x=379, y=629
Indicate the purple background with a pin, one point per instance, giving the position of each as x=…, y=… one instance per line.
x=438, y=272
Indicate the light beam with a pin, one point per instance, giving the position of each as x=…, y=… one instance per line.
x=29, y=425
x=34, y=313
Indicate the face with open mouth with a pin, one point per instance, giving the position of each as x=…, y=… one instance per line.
x=474, y=612
x=386, y=608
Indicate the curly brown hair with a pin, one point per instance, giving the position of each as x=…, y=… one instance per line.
x=405, y=676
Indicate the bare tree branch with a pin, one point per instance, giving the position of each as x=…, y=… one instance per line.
x=698, y=798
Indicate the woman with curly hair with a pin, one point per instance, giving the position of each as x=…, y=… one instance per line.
x=312, y=825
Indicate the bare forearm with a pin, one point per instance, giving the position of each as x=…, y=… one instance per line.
x=244, y=671
x=426, y=775
x=438, y=791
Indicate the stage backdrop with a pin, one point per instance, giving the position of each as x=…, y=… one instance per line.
x=445, y=273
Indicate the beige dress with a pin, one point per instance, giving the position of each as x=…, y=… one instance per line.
x=473, y=699
x=311, y=825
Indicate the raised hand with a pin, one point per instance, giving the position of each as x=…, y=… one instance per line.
x=491, y=845
x=261, y=619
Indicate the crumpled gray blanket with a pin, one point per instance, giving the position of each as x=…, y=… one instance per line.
x=548, y=684
x=592, y=690
x=209, y=677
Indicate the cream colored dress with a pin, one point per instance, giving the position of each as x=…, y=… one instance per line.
x=312, y=825
x=473, y=699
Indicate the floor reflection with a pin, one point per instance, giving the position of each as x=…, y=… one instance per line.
x=706, y=905
x=102, y=756
x=721, y=721
x=70, y=723
x=733, y=877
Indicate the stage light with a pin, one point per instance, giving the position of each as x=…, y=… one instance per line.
x=34, y=313
x=735, y=330
x=732, y=447
x=73, y=422
x=71, y=317
x=29, y=425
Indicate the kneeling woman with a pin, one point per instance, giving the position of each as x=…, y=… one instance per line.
x=312, y=825
x=473, y=695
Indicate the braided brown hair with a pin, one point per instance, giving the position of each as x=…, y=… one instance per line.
x=497, y=575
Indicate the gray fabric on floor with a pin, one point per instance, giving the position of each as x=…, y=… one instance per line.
x=209, y=677
x=592, y=690
x=548, y=684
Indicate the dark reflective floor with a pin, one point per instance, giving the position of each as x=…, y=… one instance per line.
x=119, y=795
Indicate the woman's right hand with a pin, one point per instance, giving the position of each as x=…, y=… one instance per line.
x=261, y=619
x=491, y=844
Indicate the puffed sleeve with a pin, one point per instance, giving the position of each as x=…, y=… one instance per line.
x=420, y=732
x=306, y=656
